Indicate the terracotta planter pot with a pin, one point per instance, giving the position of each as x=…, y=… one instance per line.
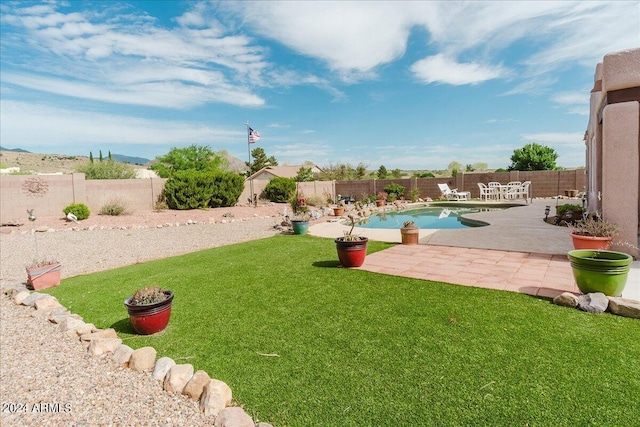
x=590, y=242
x=338, y=211
x=351, y=254
x=380, y=203
x=149, y=319
x=410, y=236
x=44, y=277
x=300, y=227
x=600, y=271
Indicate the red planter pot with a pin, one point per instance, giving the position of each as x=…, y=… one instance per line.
x=44, y=277
x=351, y=254
x=590, y=242
x=410, y=236
x=149, y=319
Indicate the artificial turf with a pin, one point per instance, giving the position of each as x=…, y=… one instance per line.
x=302, y=342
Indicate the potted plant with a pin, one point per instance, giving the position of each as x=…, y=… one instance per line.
x=339, y=210
x=300, y=218
x=592, y=233
x=600, y=270
x=42, y=273
x=410, y=233
x=352, y=248
x=149, y=309
x=382, y=198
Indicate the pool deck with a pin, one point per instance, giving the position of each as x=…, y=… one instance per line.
x=517, y=252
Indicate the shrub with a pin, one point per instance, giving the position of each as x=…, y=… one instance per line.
x=113, y=207
x=414, y=194
x=563, y=209
x=109, y=169
x=280, y=190
x=227, y=188
x=188, y=189
x=80, y=210
x=161, y=203
x=148, y=296
x=317, y=200
x=192, y=189
x=396, y=189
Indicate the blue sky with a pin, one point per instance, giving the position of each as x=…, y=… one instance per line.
x=410, y=85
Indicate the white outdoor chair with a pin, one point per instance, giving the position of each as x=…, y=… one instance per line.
x=487, y=193
x=450, y=194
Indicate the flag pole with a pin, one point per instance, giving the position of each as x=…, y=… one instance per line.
x=252, y=200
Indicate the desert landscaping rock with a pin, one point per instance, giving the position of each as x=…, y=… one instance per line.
x=624, y=307
x=196, y=384
x=19, y=297
x=103, y=333
x=215, y=397
x=100, y=346
x=122, y=355
x=233, y=417
x=143, y=359
x=178, y=377
x=596, y=302
x=566, y=299
x=35, y=296
x=162, y=367
x=71, y=323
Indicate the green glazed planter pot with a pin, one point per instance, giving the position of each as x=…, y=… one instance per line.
x=300, y=227
x=600, y=271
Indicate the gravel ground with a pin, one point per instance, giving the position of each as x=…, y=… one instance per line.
x=41, y=369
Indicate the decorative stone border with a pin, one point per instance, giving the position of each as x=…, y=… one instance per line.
x=598, y=302
x=214, y=396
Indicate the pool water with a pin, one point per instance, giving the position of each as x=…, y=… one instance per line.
x=428, y=218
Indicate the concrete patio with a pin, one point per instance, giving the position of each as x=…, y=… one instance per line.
x=517, y=252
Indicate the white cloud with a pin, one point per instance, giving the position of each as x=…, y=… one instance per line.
x=74, y=128
x=565, y=139
x=440, y=69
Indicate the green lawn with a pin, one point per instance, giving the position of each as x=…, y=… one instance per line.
x=362, y=349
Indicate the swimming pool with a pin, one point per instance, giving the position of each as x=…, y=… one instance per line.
x=427, y=218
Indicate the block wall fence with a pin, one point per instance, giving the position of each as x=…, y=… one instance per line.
x=142, y=194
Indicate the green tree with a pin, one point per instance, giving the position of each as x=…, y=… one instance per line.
x=90, y=157
x=480, y=166
x=361, y=171
x=469, y=168
x=109, y=156
x=533, y=157
x=396, y=173
x=260, y=160
x=101, y=159
x=304, y=175
x=194, y=157
x=382, y=172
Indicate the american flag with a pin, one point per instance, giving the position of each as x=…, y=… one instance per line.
x=253, y=136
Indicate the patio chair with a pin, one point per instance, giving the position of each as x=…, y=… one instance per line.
x=487, y=193
x=450, y=194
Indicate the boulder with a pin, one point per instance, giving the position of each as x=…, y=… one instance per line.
x=87, y=328
x=122, y=355
x=45, y=304
x=103, y=333
x=233, y=416
x=30, y=301
x=624, y=307
x=196, y=384
x=177, y=377
x=566, y=299
x=595, y=302
x=20, y=297
x=71, y=323
x=215, y=397
x=99, y=346
x=143, y=359
x=162, y=367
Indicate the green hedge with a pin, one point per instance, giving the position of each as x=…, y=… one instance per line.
x=80, y=210
x=193, y=189
x=280, y=190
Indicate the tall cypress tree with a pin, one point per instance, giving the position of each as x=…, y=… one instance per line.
x=90, y=157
